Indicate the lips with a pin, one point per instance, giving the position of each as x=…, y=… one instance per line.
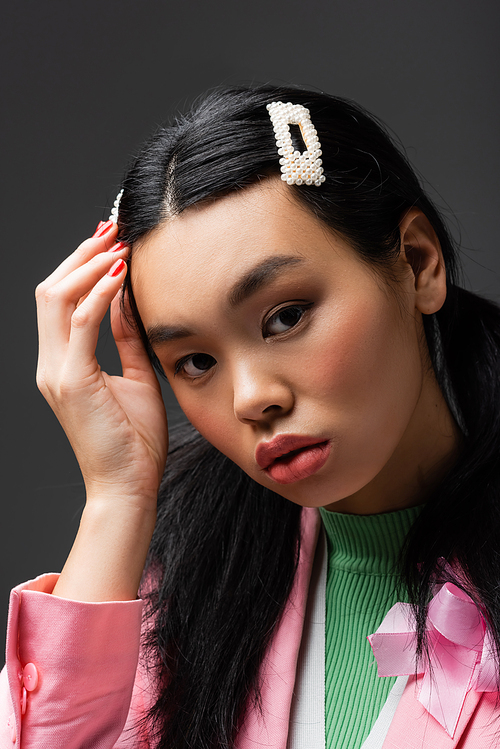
x=289, y=458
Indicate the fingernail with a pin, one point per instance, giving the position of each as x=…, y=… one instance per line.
x=101, y=223
x=105, y=227
x=117, y=247
x=116, y=269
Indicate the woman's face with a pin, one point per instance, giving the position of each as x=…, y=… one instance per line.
x=287, y=352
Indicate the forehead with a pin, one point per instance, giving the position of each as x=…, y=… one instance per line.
x=206, y=249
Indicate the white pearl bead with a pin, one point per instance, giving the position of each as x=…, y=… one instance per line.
x=296, y=167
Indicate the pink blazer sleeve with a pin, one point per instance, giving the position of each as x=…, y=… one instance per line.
x=83, y=660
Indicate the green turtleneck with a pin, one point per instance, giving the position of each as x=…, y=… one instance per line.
x=361, y=588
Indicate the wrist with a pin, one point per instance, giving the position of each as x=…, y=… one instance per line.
x=119, y=515
x=120, y=499
x=109, y=553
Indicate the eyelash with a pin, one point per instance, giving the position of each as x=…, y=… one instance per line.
x=303, y=307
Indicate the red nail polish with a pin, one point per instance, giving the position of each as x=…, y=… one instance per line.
x=101, y=223
x=104, y=229
x=116, y=269
x=117, y=247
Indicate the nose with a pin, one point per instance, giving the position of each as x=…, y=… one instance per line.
x=260, y=395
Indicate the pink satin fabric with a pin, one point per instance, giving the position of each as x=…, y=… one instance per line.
x=461, y=655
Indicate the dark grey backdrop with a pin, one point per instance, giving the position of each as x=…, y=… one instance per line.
x=85, y=81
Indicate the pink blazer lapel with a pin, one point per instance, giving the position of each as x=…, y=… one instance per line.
x=269, y=729
x=414, y=728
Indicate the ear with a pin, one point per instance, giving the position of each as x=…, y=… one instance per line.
x=421, y=251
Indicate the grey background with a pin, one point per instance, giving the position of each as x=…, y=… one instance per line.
x=83, y=82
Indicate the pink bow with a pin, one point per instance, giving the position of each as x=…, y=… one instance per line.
x=461, y=653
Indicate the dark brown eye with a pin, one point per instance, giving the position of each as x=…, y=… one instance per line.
x=197, y=364
x=283, y=320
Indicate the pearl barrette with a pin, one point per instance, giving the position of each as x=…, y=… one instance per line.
x=114, y=211
x=296, y=168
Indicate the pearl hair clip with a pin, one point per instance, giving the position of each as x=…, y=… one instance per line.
x=296, y=168
x=114, y=211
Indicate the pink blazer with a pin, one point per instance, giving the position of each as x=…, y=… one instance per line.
x=89, y=691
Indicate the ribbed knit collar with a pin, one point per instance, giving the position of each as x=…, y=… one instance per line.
x=367, y=544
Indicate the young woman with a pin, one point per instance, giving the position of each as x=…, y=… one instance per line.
x=276, y=259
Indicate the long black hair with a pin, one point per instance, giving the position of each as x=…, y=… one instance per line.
x=224, y=552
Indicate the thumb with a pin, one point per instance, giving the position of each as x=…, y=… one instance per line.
x=133, y=355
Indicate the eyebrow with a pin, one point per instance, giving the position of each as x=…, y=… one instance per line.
x=254, y=280
x=259, y=276
x=158, y=334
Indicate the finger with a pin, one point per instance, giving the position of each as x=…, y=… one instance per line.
x=86, y=251
x=116, y=248
x=61, y=300
x=133, y=356
x=87, y=318
x=102, y=241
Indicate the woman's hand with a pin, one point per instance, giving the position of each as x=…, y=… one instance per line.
x=116, y=425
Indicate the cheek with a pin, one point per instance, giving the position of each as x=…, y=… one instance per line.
x=366, y=373
x=362, y=383
x=215, y=421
